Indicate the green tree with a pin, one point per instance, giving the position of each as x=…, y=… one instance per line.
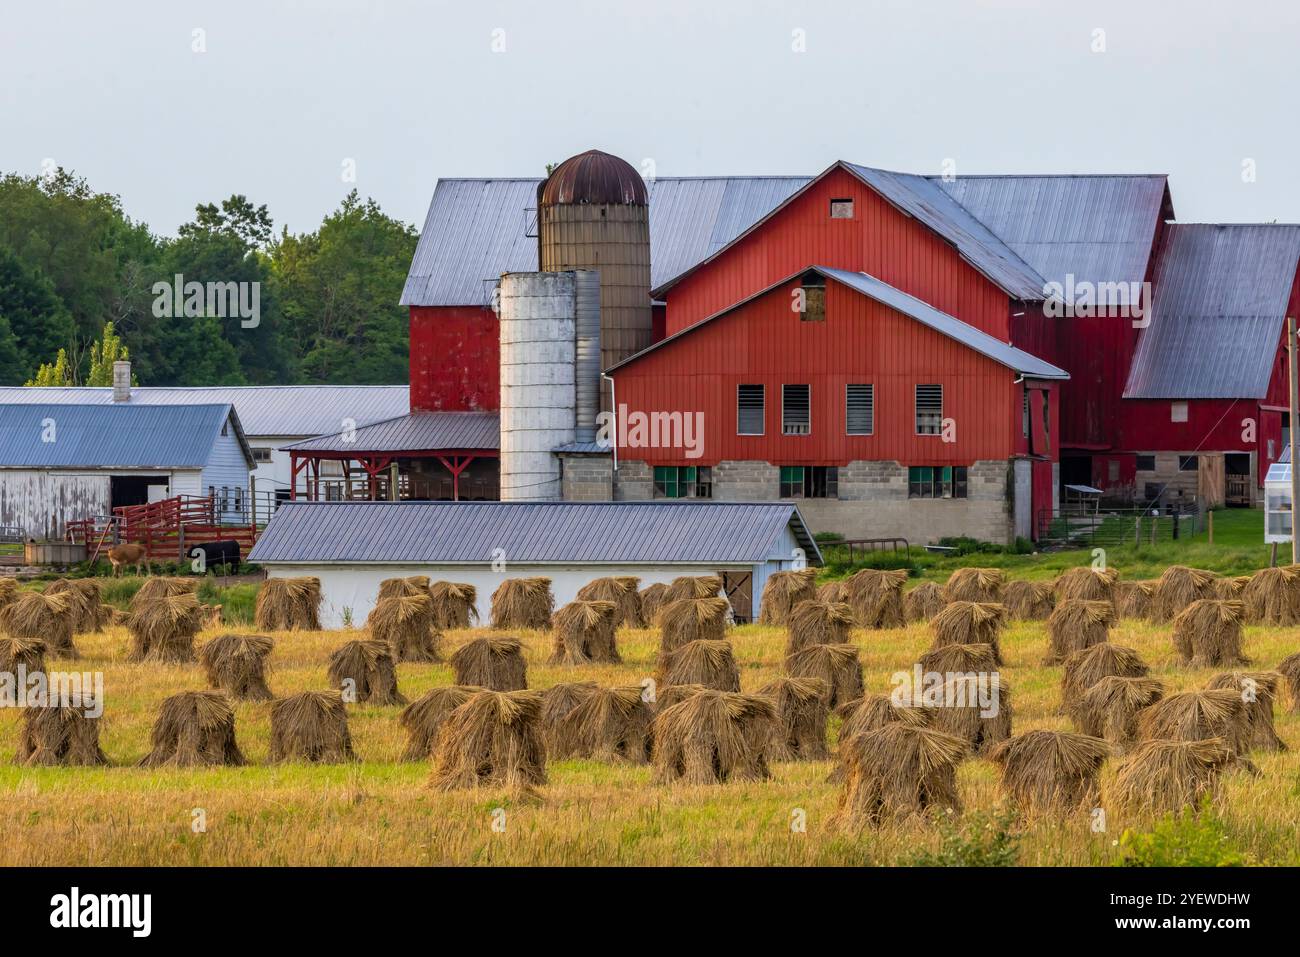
x=58, y=372
x=236, y=217
x=103, y=354
x=35, y=319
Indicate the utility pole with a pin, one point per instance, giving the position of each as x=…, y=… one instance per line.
x=1294, y=416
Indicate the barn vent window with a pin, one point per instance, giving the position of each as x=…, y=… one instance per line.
x=860, y=408
x=812, y=297
x=1177, y=411
x=796, y=410
x=936, y=482
x=929, y=409
x=1024, y=413
x=810, y=481
x=841, y=209
x=749, y=410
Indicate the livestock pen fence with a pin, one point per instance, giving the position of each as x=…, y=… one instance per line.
x=168, y=528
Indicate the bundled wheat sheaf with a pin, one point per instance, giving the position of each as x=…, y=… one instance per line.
x=1076, y=624
x=1051, y=772
x=558, y=701
x=1133, y=599
x=897, y=771
x=1028, y=601
x=923, y=602
x=492, y=740
x=495, y=662
x=1230, y=587
x=523, y=603
x=1111, y=706
x=404, y=621
x=818, y=622
x=8, y=591
x=704, y=662
x=801, y=715
x=1289, y=669
x=60, y=734
x=691, y=619
x=1087, y=584
x=194, y=728
x=836, y=666
x=585, y=631
x=236, y=664
x=1163, y=776
x=622, y=591
x=1208, y=633
x=288, y=604
x=712, y=737
x=1257, y=689
x=455, y=605
x=1177, y=588
x=874, y=711
x=652, y=601
x=85, y=601
x=311, y=726
x=410, y=585
x=964, y=622
x=783, y=591
x=876, y=597
x=163, y=629
x=423, y=718
x=153, y=588
x=1087, y=666
x=975, y=584
x=364, y=670
x=981, y=725
x=40, y=615
x=1272, y=596
x=833, y=591
x=25, y=653
x=954, y=659
x=609, y=724
x=1198, y=716
x=692, y=586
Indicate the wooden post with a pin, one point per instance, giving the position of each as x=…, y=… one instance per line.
x=1155, y=520
x=1272, y=562
x=1294, y=406
x=392, y=482
x=1209, y=519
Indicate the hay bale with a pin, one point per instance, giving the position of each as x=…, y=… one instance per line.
x=236, y=664
x=85, y=599
x=1029, y=601
x=610, y=724
x=48, y=617
x=194, y=728
x=1076, y=624
x=1207, y=633
x=964, y=622
x=163, y=629
x=622, y=591
x=975, y=584
x=959, y=659
x=1086, y=584
x=692, y=586
x=704, y=662
x=1051, y=772
x=895, y=772
x=424, y=716
x=25, y=653
x=1166, y=776
x=1257, y=689
x=153, y=588
x=492, y=740
x=1198, y=716
x=1133, y=599
x=311, y=726
x=801, y=714
x=692, y=619
x=960, y=714
x=410, y=585
x=783, y=591
x=496, y=663
x=404, y=621
x=60, y=734
x=288, y=604
x=712, y=737
x=817, y=622
x=558, y=702
x=1110, y=707
x=455, y=605
x=364, y=670
x=876, y=597
x=523, y=603
x=1289, y=669
x=923, y=602
x=836, y=666
x=1230, y=587
x=1085, y=667
x=585, y=632
x=1272, y=596
x=1177, y=588
x=652, y=600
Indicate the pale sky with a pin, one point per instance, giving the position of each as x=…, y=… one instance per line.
x=287, y=92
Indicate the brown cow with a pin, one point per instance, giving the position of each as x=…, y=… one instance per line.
x=122, y=555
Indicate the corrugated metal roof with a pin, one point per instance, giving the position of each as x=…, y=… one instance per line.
x=418, y=431
x=1016, y=359
x=529, y=532
x=1098, y=228
x=584, y=448
x=54, y=435
x=477, y=229
x=264, y=410
x=1220, y=298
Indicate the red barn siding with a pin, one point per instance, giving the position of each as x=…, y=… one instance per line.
x=861, y=340
x=879, y=240
x=455, y=354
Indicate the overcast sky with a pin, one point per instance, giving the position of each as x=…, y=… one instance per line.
x=286, y=93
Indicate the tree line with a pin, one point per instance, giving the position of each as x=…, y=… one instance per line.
x=80, y=284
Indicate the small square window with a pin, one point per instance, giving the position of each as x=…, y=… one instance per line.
x=841, y=209
x=811, y=299
x=1112, y=470
x=1177, y=411
x=1146, y=463
x=1187, y=463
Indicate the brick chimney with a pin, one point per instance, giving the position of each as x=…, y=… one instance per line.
x=122, y=381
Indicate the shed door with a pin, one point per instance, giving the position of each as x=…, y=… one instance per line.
x=1210, y=479
x=738, y=587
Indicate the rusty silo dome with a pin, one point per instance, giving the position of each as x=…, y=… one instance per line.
x=594, y=178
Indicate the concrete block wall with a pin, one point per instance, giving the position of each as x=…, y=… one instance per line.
x=746, y=481
x=587, y=478
x=634, y=481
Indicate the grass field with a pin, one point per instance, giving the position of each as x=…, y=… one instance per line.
x=379, y=811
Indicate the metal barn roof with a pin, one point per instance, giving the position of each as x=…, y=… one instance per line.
x=1098, y=228
x=1221, y=294
x=529, y=532
x=53, y=435
x=418, y=431
x=264, y=410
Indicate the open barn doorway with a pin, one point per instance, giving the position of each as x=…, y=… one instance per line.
x=136, y=489
x=738, y=587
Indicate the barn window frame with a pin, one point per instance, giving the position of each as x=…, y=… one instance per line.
x=1178, y=411
x=929, y=408
x=842, y=208
x=937, y=481
x=866, y=408
x=813, y=288
x=790, y=403
x=759, y=390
